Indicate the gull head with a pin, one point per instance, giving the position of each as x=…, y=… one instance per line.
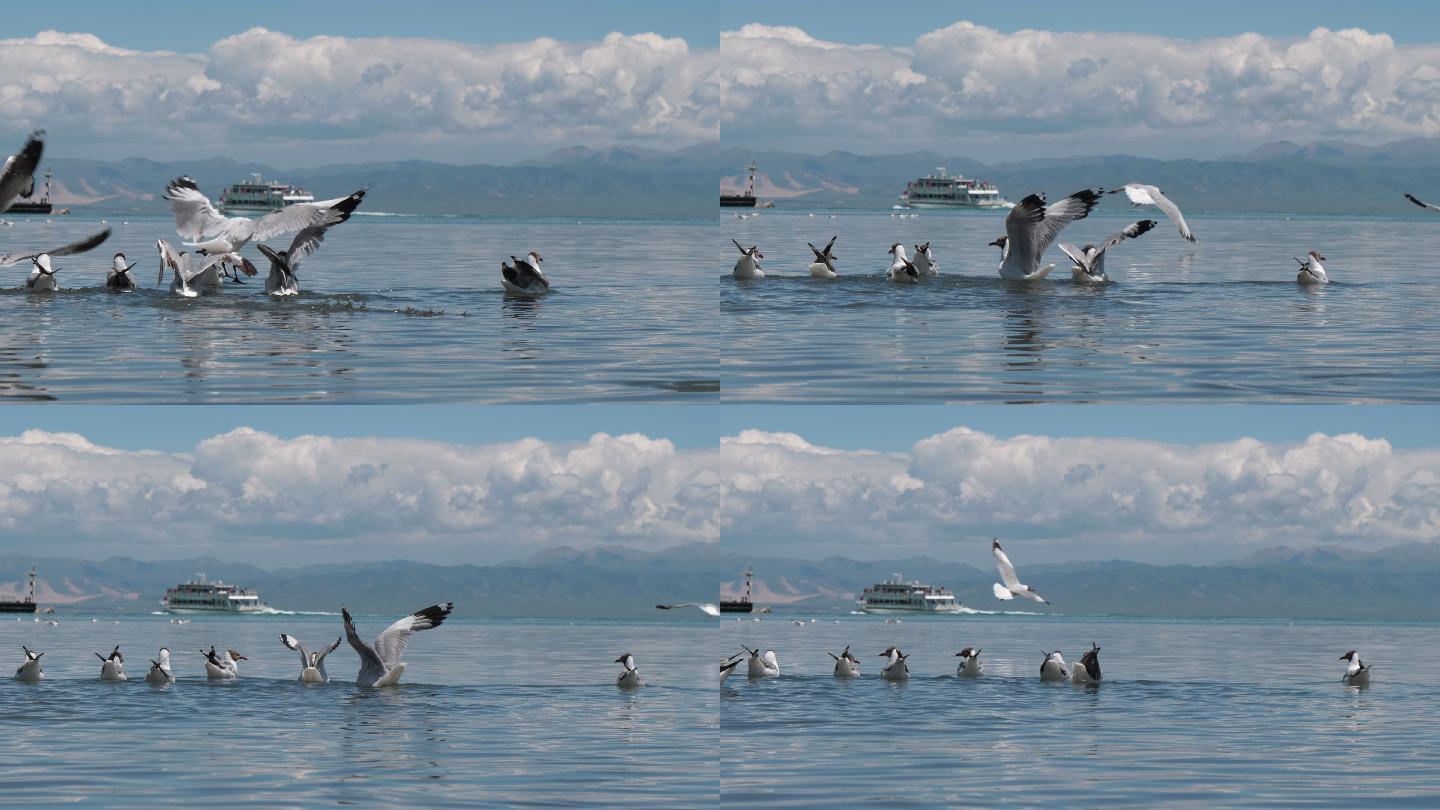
x=1000, y=243
x=1347, y=656
x=1315, y=254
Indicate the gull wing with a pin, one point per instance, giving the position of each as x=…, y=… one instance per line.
x=1007, y=571
x=1076, y=255
x=1031, y=225
x=300, y=216
x=296, y=645
x=1130, y=231
x=1002, y=593
x=1409, y=197
x=305, y=243
x=369, y=660
x=88, y=243
x=195, y=216
x=390, y=645
x=18, y=175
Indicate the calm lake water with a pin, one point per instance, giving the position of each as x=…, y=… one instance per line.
x=489, y=713
x=394, y=309
x=1221, y=321
x=1202, y=714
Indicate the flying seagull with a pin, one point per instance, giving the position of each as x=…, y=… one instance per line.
x=1090, y=261
x=1141, y=194
x=1012, y=587
x=1031, y=226
x=205, y=228
x=709, y=609
x=1410, y=197
x=380, y=663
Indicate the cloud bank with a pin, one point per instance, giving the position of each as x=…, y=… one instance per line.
x=253, y=496
x=346, y=99
x=1076, y=498
x=1042, y=93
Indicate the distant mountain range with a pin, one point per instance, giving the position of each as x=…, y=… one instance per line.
x=576, y=182
x=559, y=583
x=1285, y=177
x=1396, y=583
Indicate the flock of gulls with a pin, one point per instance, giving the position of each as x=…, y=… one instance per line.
x=380, y=660
x=210, y=254
x=1031, y=228
x=1053, y=667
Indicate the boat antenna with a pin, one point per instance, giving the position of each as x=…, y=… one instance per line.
x=748, y=574
x=32, y=584
x=750, y=188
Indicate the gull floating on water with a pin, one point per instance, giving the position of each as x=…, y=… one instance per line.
x=380, y=663
x=1090, y=260
x=901, y=268
x=1053, y=667
x=30, y=670
x=120, y=278
x=846, y=665
x=896, y=669
x=1357, y=674
x=222, y=666
x=112, y=666
x=761, y=666
x=1031, y=226
x=707, y=608
x=42, y=276
x=17, y=176
x=1141, y=194
x=312, y=664
x=1088, y=670
x=205, y=228
x=1312, y=271
x=969, y=666
x=748, y=265
x=824, y=264
x=1012, y=587
x=160, y=674
x=629, y=678
x=925, y=262
x=526, y=277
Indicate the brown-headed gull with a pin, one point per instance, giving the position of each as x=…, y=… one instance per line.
x=629, y=677
x=42, y=274
x=1090, y=260
x=846, y=665
x=525, y=277
x=1031, y=226
x=1141, y=194
x=112, y=666
x=1012, y=586
x=380, y=663
x=748, y=265
x=969, y=666
x=824, y=264
x=312, y=663
x=895, y=668
x=1357, y=674
x=1311, y=269
x=205, y=228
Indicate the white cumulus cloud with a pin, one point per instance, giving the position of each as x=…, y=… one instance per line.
x=1036, y=92
x=360, y=98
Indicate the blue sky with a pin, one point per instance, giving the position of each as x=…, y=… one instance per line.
x=188, y=26
x=178, y=428
x=898, y=22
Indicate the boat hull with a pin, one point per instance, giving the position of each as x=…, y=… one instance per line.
x=927, y=611
x=736, y=607
x=29, y=208
x=1000, y=205
x=17, y=607
x=213, y=610
x=736, y=201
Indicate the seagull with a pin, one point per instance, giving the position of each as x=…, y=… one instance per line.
x=896, y=669
x=526, y=277
x=901, y=269
x=312, y=664
x=183, y=270
x=707, y=608
x=1030, y=227
x=196, y=218
x=30, y=670
x=925, y=261
x=1012, y=587
x=1088, y=670
x=1357, y=674
x=758, y=666
x=629, y=678
x=160, y=673
x=1410, y=197
x=748, y=266
x=1141, y=194
x=42, y=276
x=824, y=264
x=119, y=278
x=846, y=665
x=1311, y=271
x=213, y=268
x=282, y=280
x=1053, y=667
x=17, y=176
x=224, y=666
x=380, y=664
x=970, y=666
x=1090, y=261
x=112, y=666
x=728, y=665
